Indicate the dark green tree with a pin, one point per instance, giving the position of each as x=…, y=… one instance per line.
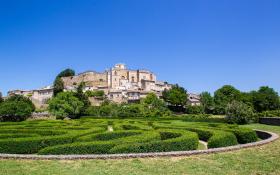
x=176, y=97
x=58, y=84
x=224, y=96
x=66, y=73
x=81, y=95
x=16, y=108
x=1, y=98
x=207, y=102
x=265, y=98
x=66, y=104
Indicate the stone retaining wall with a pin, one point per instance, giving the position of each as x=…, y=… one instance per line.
x=270, y=121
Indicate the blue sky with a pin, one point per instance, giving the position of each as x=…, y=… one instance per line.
x=199, y=44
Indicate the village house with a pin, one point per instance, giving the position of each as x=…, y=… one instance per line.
x=118, y=83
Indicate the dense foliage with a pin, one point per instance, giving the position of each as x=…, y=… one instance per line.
x=58, y=83
x=176, y=97
x=97, y=93
x=207, y=102
x=240, y=113
x=223, y=96
x=66, y=104
x=151, y=106
x=265, y=99
x=197, y=109
x=1, y=98
x=91, y=136
x=16, y=108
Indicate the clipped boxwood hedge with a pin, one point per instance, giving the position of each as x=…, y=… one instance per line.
x=222, y=139
x=179, y=140
x=90, y=136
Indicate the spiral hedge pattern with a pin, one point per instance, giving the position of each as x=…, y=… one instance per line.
x=92, y=136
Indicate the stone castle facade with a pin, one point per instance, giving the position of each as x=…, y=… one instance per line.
x=119, y=84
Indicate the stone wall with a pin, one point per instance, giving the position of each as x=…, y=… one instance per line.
x=270, y=121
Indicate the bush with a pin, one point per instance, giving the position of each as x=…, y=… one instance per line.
x=79, y=148
x=183, y=141
x=31, y=145
x=245, y=135
x=16, y=108
x=98, y=93
x=195, y=109
x=132, y=110
x=240, y=113
x=99, y=147
x=65, y=104
x=274, y=113
x=222, y=139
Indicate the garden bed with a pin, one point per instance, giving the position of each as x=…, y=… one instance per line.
x=90, y=138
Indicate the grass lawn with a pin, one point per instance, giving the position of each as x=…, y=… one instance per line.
x=259, y=160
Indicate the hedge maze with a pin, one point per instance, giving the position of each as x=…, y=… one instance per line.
x=92, y=136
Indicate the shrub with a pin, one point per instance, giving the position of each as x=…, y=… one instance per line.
x=186, y=141
x=132, y=110
x=240, y=113
x=31, y=145
x=93, y=111
x=79, y=148
x=222, y=139
x=245, y=135
x=65, y=104
x=194, y=109
x=16, y=108
x=274, y=113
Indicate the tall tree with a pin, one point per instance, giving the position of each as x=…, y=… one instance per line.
x=224, y=96
x=81, y=95
x=265, y=98
x=1, y=98
x=58, y=84
x=207, y=102
x=176, y=97
x=65, y=104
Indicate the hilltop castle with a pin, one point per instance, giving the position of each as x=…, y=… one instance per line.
x=118, y=83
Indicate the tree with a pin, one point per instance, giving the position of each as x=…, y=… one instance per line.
x=66, y=104
x=58, y=85
x=247, y=98
x=81, y=95
x=176, y=97
x=66, y=73
x=224, y=96
x=152, y=106
x=16, y=108
x=1, y=98
x=239, y=113
x=265, y=98
x=197, y=109
x=207, y=102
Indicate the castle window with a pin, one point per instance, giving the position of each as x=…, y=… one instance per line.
x=123, y=77
x=116, y=73
x=101, y=80
x=133, y=79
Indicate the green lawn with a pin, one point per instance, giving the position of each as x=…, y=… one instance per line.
x=259, y=160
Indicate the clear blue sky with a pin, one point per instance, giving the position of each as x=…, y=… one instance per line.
x=200, y=44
